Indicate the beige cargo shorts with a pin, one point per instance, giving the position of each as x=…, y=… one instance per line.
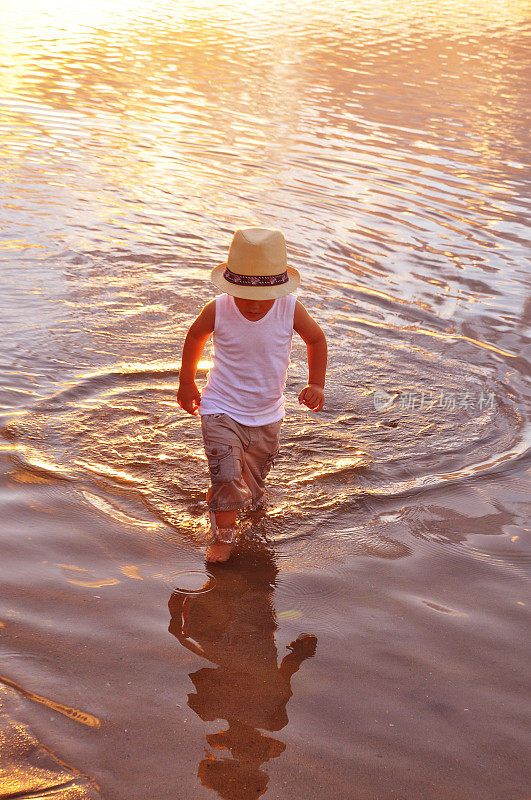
x=239, y=459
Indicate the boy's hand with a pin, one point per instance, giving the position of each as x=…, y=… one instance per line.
x=312, y=396
x=189, y=397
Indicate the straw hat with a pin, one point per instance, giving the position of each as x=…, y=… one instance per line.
x=256, y=268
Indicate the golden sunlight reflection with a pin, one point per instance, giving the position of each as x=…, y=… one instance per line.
x=339, y=465
x=435, y=335
x=72, y=713
x=94, y=584
x=131, y=571
x=101, y=13
x=108, y=471
x=39, y=469
x=117, y=514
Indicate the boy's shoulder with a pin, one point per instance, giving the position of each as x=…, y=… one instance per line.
x=300, y=313
x=304, y=324
x=206, y=319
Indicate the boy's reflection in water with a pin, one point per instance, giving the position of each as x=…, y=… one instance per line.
x=233, y=626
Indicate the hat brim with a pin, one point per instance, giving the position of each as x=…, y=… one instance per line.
x=255, y=292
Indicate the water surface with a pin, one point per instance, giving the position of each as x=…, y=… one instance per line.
x=368, y=640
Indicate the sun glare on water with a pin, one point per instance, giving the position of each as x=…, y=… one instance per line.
x=69, y=16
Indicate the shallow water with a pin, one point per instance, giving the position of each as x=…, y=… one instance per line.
x=391, y=146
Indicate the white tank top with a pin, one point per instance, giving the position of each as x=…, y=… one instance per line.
x=251, y=361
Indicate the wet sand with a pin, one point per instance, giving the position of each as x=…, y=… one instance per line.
x=369, y=637
x=417, y=679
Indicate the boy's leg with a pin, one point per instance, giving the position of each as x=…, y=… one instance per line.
x=224, y=440
x=259, y=457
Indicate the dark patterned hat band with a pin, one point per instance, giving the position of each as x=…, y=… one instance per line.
x=255, y=280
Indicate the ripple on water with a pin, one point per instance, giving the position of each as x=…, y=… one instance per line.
x=192, y=582
x=390, y=143
x=120, y=431
x=508, y=551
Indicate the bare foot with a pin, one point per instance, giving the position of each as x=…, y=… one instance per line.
x=218, y=552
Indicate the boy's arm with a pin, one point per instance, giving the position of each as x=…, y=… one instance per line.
x=188, y=395
x=312, y=395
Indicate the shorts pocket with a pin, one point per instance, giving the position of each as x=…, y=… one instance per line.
x=268, y=463
x=220, y=462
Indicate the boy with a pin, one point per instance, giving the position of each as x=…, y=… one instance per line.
x=242, y=405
